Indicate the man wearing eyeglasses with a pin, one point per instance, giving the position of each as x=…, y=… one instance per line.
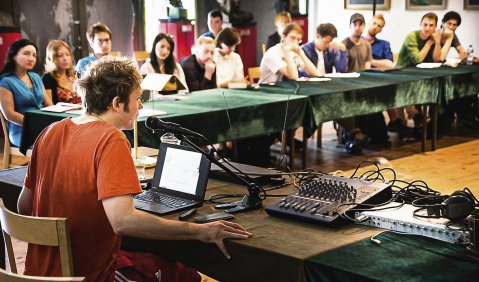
x=283, y=60
x=99, y=38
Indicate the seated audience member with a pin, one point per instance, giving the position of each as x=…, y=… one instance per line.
x=450, y=22
x=215, y=24
x=162, y=60
x=285, y=59
x=323, y=53
x=465, y=109
x=199, y=68
x=359, y=59
x=99, y=38
x=359, y=50
x=381, y=49
x=280, y=21
x=383, y=58
x=60, y=75
x=421, y=45
x=20, y=88
x=101, y=181
x=229, y=66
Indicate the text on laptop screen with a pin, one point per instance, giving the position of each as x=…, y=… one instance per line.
x=181, y=170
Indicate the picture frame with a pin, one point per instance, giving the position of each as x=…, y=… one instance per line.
x=471, y=4
x=426, y=4
x=367, y=4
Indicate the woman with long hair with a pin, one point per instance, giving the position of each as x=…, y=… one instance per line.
x=59, y=73
x=21, y=89
x=162, y=60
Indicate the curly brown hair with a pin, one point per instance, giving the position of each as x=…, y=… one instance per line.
x=105, y=79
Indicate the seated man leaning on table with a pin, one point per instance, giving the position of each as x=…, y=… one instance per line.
x=98, y=180
x=283, y=60
x=200, y=68
x=420, y=46
x=324, y=53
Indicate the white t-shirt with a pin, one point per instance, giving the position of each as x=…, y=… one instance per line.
x=272, y=62
x=228, y=68
x=147, y=68
x=320, y=66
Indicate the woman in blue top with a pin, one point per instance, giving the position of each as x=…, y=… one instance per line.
x=20, y=88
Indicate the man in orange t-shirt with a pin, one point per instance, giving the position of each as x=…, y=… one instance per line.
x=81, y=169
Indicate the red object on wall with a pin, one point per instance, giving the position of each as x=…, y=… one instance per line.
x=8, y=35
x=303, y=22
x=247, y=47
x=183, y=35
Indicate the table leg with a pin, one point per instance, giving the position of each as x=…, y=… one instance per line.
x=319, y=136
x=424, y=127
x=433, y=111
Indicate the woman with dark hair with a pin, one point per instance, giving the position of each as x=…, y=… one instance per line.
x=20, y=88
x=229, y=66
x=60, y=75
x=161, y=59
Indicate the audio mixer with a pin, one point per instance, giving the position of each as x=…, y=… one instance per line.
x=323, y=199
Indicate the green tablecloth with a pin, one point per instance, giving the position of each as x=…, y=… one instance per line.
x=398, y=258
x=377, y=91
x=251, y=114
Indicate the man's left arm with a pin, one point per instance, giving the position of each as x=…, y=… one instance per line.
x=367, y=65
x=387, y=57
x=25, y=201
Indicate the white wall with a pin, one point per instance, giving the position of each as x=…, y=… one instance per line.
x=399, y=22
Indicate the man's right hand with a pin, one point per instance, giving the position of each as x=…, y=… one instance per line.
x=209, y=69
x=337, y=45
x=215, y=232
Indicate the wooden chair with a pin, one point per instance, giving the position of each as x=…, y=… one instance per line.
x=9, y=149
x=46, y=231
x=141, y=56
x=12, y=277
x=115, y=53
x=263, y=48
x=254, y=74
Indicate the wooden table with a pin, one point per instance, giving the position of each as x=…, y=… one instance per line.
x=281, y=248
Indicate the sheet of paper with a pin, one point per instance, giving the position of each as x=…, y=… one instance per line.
x=150, y=112
x=345, y=75
x=62, y=107
x=181, y=170
x=428, y=65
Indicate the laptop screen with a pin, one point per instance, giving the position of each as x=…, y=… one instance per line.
x=181, y=171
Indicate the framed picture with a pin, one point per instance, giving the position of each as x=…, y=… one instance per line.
x=471, y=4
x=367, y=4
x=426, y=4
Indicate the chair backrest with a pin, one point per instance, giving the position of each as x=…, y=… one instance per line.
x=263, y=48
x=141, y=56
x=254, y=74
x=13, y=277
x=395, y=57
x=115, y=53
x=8, y=148
x=47, y=231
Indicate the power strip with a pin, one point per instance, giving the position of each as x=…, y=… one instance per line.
x=402, y=220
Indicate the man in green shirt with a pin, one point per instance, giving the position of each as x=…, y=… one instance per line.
x=422, y=45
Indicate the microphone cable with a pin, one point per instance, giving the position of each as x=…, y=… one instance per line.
x=283, y=131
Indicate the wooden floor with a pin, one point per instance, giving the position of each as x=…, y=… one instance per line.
x=333, y=158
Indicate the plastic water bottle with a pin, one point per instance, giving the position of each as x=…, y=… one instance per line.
x=470, y=55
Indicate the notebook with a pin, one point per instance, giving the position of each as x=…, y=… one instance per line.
x=179, y=181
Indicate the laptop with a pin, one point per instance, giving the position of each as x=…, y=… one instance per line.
x=179, y=181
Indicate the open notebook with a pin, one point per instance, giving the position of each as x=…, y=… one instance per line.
x=179, y=181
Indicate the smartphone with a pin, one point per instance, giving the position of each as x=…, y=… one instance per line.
x=213, y=217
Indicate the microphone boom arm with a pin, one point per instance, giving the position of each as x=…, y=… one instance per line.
x=250, y=201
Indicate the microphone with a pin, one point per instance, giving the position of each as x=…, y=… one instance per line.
x=155, y=123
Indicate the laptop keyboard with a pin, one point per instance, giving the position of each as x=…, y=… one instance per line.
x=160, y=199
